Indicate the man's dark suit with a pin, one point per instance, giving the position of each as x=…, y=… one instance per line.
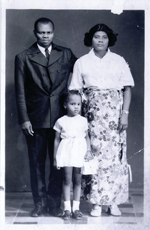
x=39, y=85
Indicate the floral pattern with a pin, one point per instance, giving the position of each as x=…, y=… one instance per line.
x=110, y=185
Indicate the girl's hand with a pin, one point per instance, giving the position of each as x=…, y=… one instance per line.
x=123, y=124
x=88, y=156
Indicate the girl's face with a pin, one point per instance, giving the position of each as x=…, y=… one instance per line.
x=73, y=105
x=100, y=41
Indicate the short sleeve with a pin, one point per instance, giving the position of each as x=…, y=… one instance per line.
x=126, y=76
x=76, y=79
x=57, y=126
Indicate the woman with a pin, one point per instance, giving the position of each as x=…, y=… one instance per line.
x=106, y=81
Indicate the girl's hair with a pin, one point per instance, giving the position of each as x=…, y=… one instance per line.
x=65, y=96
x=100, y=27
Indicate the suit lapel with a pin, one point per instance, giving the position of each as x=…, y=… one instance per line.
x=36, y=55
x=54, y=56
x=39, y=58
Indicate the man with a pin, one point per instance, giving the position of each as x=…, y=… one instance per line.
x=41, y=76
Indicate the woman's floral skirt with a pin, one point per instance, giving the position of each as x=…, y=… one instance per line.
x=110, y=185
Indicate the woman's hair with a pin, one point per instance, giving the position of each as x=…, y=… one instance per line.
x=100, y=27
x=65, y=96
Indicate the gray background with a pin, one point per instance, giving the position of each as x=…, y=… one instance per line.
x=70, y=27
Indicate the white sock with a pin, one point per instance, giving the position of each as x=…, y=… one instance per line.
x=67, y=205
x=75, y=205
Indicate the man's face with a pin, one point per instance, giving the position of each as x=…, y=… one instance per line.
x=44, y=34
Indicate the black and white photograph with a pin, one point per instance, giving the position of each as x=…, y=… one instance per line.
x=75, y=115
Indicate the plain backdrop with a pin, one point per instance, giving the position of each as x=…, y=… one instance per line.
x=70, y=27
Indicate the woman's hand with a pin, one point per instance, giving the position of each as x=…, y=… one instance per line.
x=88, y=156
x=123, y=124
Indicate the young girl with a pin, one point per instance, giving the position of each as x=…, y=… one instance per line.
x=71, y=146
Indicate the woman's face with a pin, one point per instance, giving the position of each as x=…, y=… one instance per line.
x=100, y=41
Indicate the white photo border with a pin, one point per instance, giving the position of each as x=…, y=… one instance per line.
x=78, y=4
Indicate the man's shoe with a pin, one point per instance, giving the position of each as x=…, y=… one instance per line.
x=37, y=211
x=57, y=212
x=44, y=205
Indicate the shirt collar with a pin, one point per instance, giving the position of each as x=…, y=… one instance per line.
x=42, y=49
x=93, y=54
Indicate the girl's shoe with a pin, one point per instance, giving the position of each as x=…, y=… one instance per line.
x=77, y=215
x=114, y=210
x=66, y=215
x=96, y=211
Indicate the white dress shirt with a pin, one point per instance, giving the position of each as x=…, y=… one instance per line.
x=42, y=49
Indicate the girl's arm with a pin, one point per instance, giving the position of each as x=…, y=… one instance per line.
x=56, y=144
x=123, y=124
x=88, y=155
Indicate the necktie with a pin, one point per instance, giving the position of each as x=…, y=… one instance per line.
x=47, y=53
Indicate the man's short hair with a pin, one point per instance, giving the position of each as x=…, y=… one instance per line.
x=44, y=21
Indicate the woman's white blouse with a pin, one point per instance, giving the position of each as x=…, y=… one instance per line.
x=109, y=72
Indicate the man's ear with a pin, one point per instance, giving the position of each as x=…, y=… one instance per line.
x=65, y=105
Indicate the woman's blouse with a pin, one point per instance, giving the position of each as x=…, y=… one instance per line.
x=109, y=72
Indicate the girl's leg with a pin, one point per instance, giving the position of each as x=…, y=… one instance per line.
x=67, y=179
x=76, y=193
x=76, y=183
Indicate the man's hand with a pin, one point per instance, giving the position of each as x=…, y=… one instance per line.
x=27, y=128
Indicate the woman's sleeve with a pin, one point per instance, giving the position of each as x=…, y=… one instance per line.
x=126, y=76
x=76, y=79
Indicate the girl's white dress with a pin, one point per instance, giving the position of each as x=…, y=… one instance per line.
x=73, y=146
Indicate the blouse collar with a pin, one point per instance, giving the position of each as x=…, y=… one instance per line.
x=94, y=56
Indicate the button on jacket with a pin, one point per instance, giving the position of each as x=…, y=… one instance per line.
x=39, y=84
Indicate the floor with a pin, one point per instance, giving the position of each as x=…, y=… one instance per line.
x=19, y=205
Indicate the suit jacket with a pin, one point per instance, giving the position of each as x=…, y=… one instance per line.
x=39, y=84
